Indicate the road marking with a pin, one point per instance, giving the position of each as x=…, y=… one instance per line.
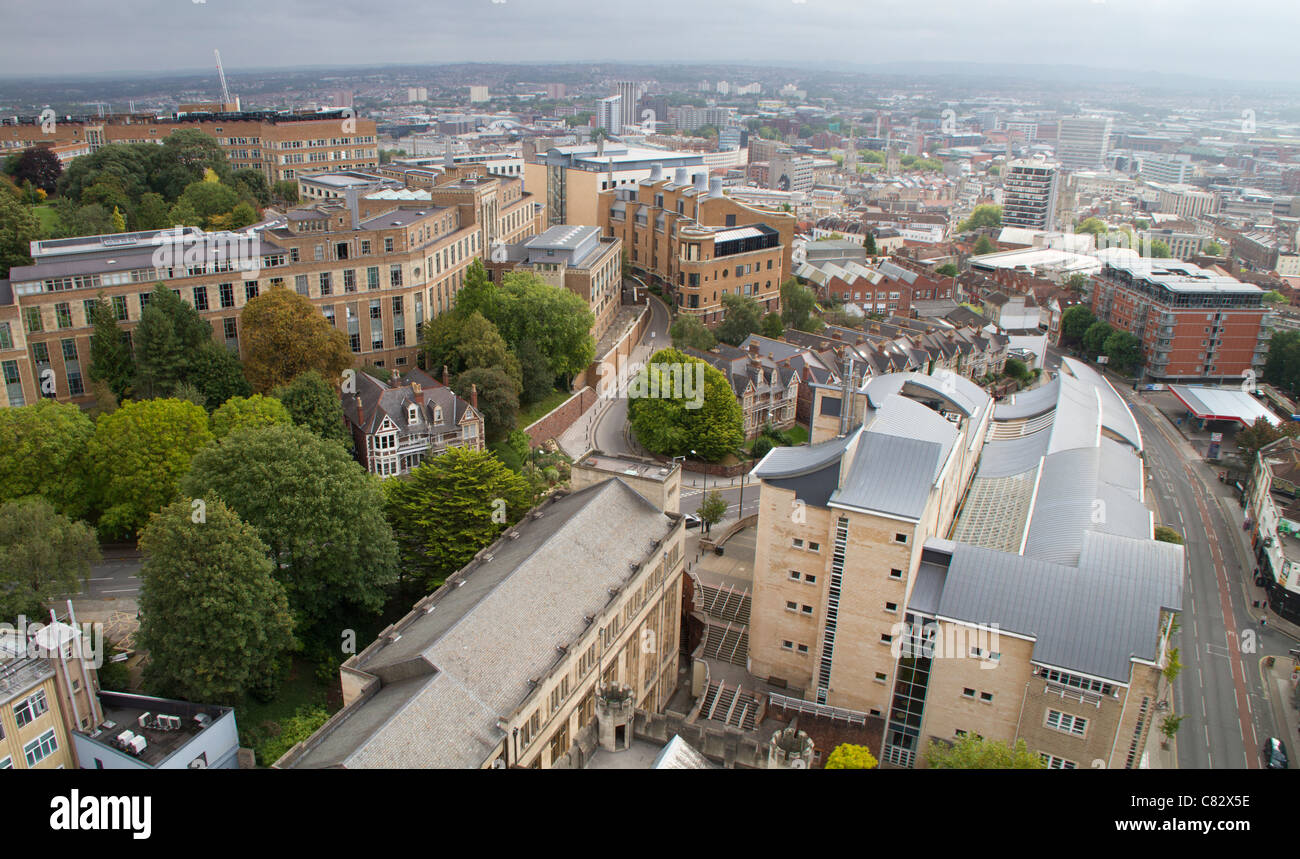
x=123, y=591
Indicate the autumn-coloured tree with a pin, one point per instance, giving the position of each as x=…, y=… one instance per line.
x=284, y=336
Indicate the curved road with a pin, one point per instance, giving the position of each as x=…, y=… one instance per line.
x=608, y=434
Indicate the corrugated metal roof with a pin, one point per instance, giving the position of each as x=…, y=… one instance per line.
x=1006, y=457
x=890, y=474
x=1029, y=403
x=793, y=461
x=1076, y=497
x=1115, y=415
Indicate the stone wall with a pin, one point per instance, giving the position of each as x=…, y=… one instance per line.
x=559, y=419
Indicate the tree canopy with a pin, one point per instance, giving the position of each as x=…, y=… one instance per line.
x=285, y=335
x=1075, y=322
x=797, y=305
x=661, y=412
x=983, y=216
x=688, y=332
x=239, y=413
x=1124, y=351
x=847, y=756
x=42, y=554
x=313, y=403
x=43, y=453
x=975, y=753
x=744, y=316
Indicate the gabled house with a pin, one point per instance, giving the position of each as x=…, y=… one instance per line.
x=768, y=390
x=396, y=425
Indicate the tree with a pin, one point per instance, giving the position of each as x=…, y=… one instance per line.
x=42, y=554
x=762, y=446
x=251, y=185
x=217, y=373
x=319, y=513
x=478, y=293
x=152, y=212
x=448, y=509
x=239, y=413
x=1094, y=226
x=214, y=620
x=771, y=326
x=1213, y=249
x=298, y=727
x=712, y=508
x=498, y=398
x=869, y=243
x=536, y=378
x=1283, y=364
x=168, y=341
x=1124, y=351
x=1076, y=283
x=1094, y=339
x=555, y=319
x=1261, y=433
x=42, y=453
x=1165, y=534
x=847, y=756
x=744, y=316
x=947, y=269
x=18, y=229
x=1014, y=368
x=463, y=343
x=984, y=245
x=1075, y=322
x=119, y=221
x=286, y=191
x=137, y=456
x=313, y=403
x=669, y=422
x=975, y=753
x=209, y=200
x=285, y=335
x=982, y=216
x=797, y=305
x=40, y=166
x=183, y=159
x=110, y=355
x=688, y=332
x=1275, y=297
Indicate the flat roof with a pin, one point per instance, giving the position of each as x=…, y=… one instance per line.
x=1223, y=404
x=628, y=467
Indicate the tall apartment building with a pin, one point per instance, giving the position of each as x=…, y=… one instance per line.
x=924, y=562
x=698, y=243
x=1195, y=324
x=282, y=146
x=1030, y=189
x=479, y=94
x=630, y=92
x=543, y=646
x=1083, y=141
x=787, y=171
x=609, y=114
x=378, y=266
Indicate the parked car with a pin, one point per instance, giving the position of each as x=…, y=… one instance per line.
x=692, y=521
x=1274, y=753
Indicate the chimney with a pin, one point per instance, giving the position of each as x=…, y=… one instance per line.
x=473, y=395
x=352, y=196
x=415, y=389
x=361, y=412
x=446, y=378
x=753, y=347
x=679, y=176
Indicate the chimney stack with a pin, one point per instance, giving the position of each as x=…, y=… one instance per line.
x=446, y=378
x=473, y=395
x=361, y=412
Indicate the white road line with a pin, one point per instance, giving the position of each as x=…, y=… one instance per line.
x=123, y=591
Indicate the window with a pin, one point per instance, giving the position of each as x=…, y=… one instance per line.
x=787, y=645
x=881, y=677
x=1055, y=763
x=886, y=639
x=395, y=275
x=41, y=748
x=33, y=318
x=326, y=283
x=891, y=607
x=250, y=291
x=227, y=291
x=7, y=337
x=1066, y=723
x=895, y=574
x=900, y=538
x=63, y=314
x=791, y=606
x=803, y=648
x=372, y=277
x=814, y=547
x=200, y=298
x=807, y=609
x=810, y=579
x=119, y=307
x=986, y=697
x=29, y=709
x=968, y=693
x=794, y=574
x=6, y=763
x=798, y=544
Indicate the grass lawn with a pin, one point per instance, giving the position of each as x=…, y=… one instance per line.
x=48, y=219
x=540, y=408
x=260, y=722
x=797, y=434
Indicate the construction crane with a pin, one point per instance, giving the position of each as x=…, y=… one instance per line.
x=225, y=90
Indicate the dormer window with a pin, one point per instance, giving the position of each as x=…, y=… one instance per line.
x=437, y=414
x=412, y=414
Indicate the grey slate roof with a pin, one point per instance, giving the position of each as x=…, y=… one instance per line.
x=1093, y=619
x=459, y=666
x=890, y=474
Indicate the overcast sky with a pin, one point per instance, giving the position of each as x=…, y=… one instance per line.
x=1243, y=39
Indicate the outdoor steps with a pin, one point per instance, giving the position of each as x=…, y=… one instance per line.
x=729, y=643
x=731, y=706
x=726, y=603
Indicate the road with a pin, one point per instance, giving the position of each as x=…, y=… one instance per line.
x=693, y=496
x=1219, y=690
x=608, y=434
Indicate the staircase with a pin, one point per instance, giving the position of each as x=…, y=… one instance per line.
x=730, y=705
x=725, y=603
x=729, y=643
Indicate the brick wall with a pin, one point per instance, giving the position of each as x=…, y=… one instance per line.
x=561, y=417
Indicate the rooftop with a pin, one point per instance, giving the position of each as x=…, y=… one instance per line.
x=123, y=712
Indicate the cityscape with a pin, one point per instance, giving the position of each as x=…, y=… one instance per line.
x=484, y=402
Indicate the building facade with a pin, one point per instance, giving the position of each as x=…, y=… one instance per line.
x=1030, y=190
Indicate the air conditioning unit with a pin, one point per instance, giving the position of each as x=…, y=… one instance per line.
x=203, y=720
x=143, y=720
x=124, y=739
x=138, y=745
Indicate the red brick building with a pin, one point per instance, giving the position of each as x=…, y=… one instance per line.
x=1195, y=324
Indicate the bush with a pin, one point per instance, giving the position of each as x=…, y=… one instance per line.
x=294, y=730
x=761, y=447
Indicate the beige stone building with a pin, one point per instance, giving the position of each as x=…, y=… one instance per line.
x=955, y=566
x=377, y=265
x=543, y=647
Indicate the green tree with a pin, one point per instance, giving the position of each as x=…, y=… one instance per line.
x=744, y=316
x=239, y=413
x=688, y=332
x=1259, y=434
x=286, y=191
x=319, y=513
x=1095, y=226
x=313, y=403
x=1213, y=249
x=183, y=159
x=285, y=335
x=1159, y=250
x=555, y=319
x=975, y=753
x=1094, y=339
x=298, y=727
x=214, y=619
x=984, y=245
x=1124, y=351
x=152, y=211
x=1165, y=534
x=42, y=554
x=869, y=243
x=498, y=398
x=464, y=343
x=1275, y=297
x=478, y=293
x=217, y=374
x=1075, y=322
x=670, y=423
x=947, y=270
x=797, y=305
x=1282, y=367
x=847, y=756
x=1014, y=368
x=448, y=509
x=537, y=380
x=1076, y=283
x=42, y=453
x=252, y=186
x=167, y=341
x=18, y=229
x=119, y=221
x=110, y=355
x=771, y=326
x=982, y=216
x=712, y=508
x=137, y=456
